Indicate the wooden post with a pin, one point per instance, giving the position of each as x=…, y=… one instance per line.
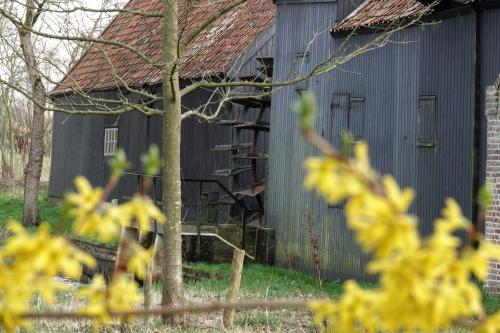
x=234, y=286
x=123, y=253
x=147, y=284
x=198, y=226
x=148, y=277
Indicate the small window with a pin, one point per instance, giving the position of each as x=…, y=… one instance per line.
x=110, y=141
x=426, y=131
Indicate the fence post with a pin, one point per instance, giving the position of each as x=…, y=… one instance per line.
x=148, y=277
x=234, y=286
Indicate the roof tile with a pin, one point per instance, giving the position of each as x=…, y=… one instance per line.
x=210, y=53
x=374, y=12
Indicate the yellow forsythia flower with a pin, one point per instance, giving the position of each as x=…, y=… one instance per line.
x=425, y=284
x=95, y=218
x=124, y=294
x=143, y=211
x=28, y=264
x=492, y=325
x=140, y=259
x=97, y=306
x=121, y=295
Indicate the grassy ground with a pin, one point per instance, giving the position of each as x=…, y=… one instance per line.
x=11, y=208
x=266, y=281
x=257, y=282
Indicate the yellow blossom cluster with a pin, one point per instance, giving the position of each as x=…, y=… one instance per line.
x=139, y=260
x=28, y=264
x=30, y=260
x=425, y=284
x=104, y=221
x=121, y=295
x=94, y=218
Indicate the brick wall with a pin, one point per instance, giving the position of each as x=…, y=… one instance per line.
x=492, y=231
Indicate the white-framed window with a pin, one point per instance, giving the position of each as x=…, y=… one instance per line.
x=110, y=141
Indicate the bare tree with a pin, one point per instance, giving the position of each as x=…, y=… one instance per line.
x=31, y=64
x=33, y=169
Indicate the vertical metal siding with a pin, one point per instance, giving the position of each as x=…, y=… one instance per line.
x=447, y=52
x=390, y=79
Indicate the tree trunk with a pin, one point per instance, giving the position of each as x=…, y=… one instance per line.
x=33, y=169
x=172, y=240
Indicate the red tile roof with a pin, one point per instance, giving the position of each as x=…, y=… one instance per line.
x=210, y=53
x=374, y=12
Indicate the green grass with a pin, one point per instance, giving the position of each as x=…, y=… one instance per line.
x=257, y=280
x=275, y=282
x=11, y=208
x=265, y=281
x=491, y=304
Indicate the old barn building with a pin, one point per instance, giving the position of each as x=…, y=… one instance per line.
x=418, y=101
x=236, y=46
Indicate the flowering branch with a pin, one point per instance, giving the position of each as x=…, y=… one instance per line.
x=425, y=284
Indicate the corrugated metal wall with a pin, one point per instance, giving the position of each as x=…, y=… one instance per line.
x=433, y=60
x=447, y=71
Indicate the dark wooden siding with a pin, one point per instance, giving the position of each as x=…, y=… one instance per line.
x=78, y=139
x=426, y=60
x=77, y=147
